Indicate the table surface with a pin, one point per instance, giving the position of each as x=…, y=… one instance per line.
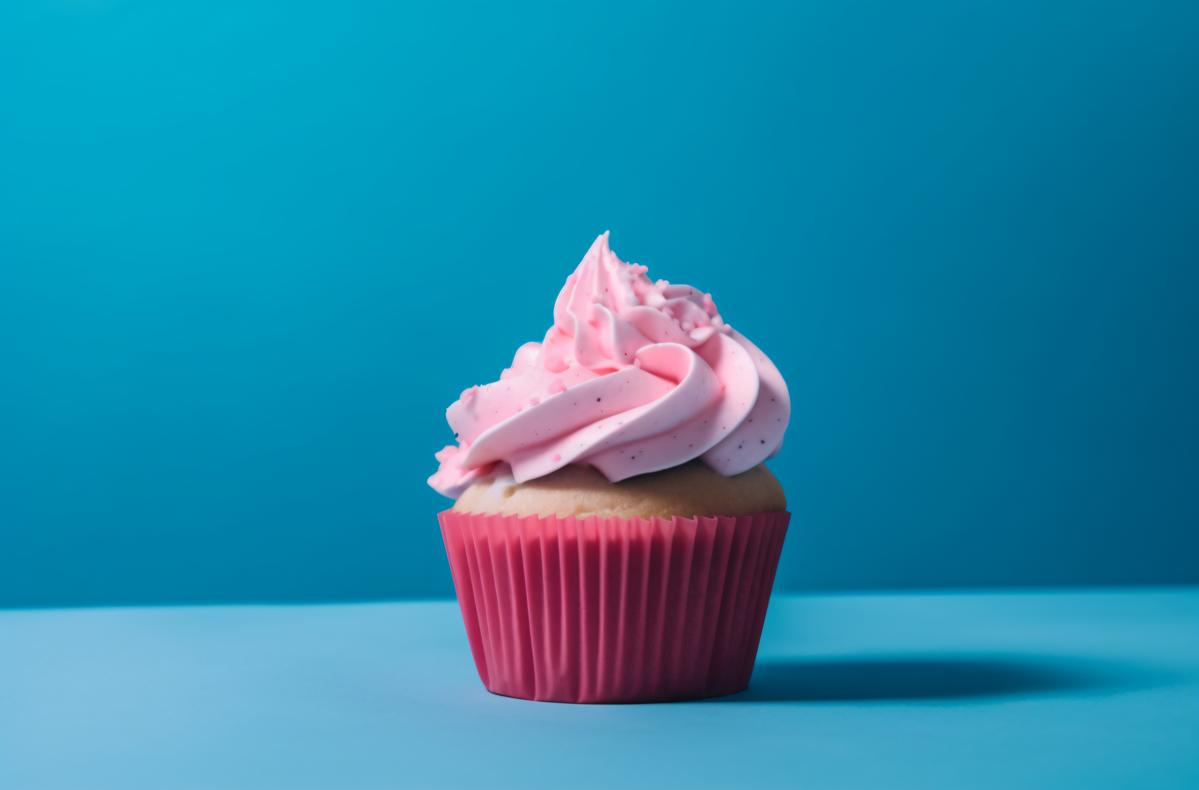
x=1082, y=689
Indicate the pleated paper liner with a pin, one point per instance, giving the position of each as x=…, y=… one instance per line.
x=611, y=609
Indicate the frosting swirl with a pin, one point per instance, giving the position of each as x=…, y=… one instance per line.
x=634, y=376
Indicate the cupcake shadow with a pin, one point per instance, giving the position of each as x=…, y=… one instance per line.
x=932, y=678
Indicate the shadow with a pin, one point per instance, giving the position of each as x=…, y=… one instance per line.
x=930, y=678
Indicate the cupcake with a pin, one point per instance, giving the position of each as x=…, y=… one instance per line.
x=615, y=533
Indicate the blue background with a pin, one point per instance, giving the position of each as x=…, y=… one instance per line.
x=250, y=251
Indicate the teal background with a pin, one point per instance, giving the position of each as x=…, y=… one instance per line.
x=250, y=251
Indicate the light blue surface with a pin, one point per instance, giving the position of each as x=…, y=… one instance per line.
x=965, y=231
x=1081, y=690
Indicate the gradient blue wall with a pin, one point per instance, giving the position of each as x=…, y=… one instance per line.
x=250, y=251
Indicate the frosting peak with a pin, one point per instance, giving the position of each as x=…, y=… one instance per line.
x=634, y=376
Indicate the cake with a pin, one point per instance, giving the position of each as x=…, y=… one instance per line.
x=615, y=532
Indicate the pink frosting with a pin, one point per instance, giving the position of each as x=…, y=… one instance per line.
x=633, y=377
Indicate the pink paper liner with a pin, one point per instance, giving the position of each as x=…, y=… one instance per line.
x=611, y=609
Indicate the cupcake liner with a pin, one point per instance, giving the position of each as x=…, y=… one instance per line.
x=612, y=609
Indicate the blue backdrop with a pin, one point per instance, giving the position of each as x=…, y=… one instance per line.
x=250, y=251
